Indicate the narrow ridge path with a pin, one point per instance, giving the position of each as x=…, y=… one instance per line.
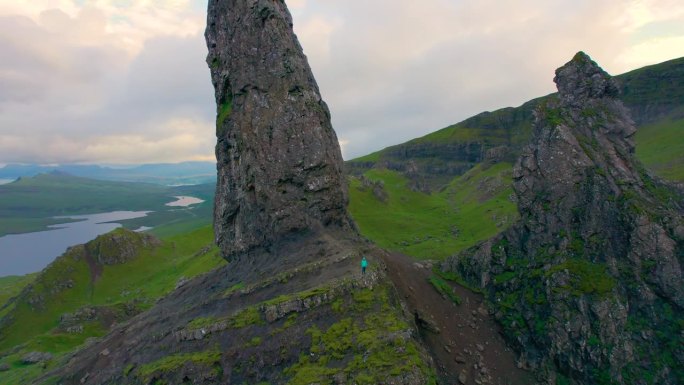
x=465, y=341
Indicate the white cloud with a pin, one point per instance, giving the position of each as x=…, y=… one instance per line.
x=79, y=87
x=296, y=4
x=125, y=81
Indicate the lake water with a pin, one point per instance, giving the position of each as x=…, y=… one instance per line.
x=5, y=181
x=30, y=252
x=184, y=201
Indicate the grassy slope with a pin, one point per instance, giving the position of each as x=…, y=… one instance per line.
x=422, y=225
x=661, y=147
x=472, y=208
x=141, y=281
x=12, y=285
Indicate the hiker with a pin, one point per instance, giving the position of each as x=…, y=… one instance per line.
x=364, y=263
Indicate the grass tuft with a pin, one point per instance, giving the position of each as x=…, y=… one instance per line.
x=444, y=289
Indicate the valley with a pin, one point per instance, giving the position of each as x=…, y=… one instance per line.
x=32, y=203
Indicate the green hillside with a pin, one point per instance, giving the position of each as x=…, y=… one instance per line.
x=12, y=285
x=471, y=208
x=96, y=295
x=661, y=147
x=653, y=94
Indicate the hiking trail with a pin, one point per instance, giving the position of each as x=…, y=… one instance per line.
x=464, y=340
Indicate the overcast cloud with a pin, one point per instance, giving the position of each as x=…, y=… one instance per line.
x=111, y=81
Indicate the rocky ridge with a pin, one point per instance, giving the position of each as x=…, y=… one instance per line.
x=309, y=319
x=588, y=283
x=278, y=158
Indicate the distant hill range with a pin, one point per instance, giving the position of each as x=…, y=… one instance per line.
x=159, y=173
x=31, y=203
x=653, y=94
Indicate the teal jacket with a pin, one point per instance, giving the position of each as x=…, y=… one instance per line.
x=364, y=263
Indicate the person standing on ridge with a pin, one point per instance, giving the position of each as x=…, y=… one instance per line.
x=364, y=263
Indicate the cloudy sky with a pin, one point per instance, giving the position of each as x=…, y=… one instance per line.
x=124, y=81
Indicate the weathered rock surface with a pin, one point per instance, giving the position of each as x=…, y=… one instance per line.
x=279, y=162
x=35, y=358
x=589, y=281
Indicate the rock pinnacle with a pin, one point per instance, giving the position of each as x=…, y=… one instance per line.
x=280, y=170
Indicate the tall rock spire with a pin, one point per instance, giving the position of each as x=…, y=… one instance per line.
x=279, y=164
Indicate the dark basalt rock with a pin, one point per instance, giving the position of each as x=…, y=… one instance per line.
x=589, y=281
x=279, y=162
x=582, y=80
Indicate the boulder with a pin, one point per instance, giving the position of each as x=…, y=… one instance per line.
x=35, y=358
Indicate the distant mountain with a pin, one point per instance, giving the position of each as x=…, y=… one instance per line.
x=654, y=95
x=31, y=203
x=159, y=173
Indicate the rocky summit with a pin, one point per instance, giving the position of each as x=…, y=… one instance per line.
x=588, y=283
x=279, y=163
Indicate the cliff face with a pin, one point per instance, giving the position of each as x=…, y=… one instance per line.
x=589, y=281
x=279, y=163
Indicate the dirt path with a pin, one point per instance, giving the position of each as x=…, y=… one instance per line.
x=464, y=339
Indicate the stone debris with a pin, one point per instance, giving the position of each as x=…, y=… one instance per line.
x=463, y=377
x=35, y=357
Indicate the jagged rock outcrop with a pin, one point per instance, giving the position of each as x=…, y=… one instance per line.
x=589, y=281
x=279, y=162
x=117, y=247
